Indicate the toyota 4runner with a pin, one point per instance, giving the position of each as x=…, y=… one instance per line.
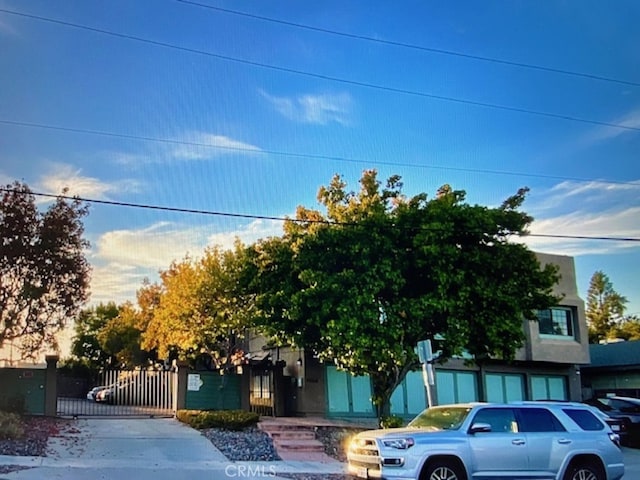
x=533, y=440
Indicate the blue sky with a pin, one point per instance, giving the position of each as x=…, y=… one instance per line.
x=271, y=111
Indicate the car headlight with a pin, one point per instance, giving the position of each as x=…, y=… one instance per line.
x=399, y=443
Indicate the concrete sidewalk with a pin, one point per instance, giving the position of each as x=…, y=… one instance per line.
x=144, y=449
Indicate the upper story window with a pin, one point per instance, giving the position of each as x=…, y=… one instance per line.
x=557, y=322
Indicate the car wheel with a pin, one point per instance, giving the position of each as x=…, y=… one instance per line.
x=585, y=471
x=444, y=470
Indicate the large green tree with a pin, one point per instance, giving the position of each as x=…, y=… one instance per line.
x=363, y=283
x=110, y=335
x=44, y=275
x=85, y=345
x=605, y=307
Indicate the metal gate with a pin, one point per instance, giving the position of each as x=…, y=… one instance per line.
x=126, y=393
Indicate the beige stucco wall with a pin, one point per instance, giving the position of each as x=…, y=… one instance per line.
x=561, y=350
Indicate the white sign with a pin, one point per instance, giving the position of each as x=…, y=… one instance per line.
x=194, y=382
x=425, y=354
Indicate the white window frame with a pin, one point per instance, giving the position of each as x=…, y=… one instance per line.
x=570, y=327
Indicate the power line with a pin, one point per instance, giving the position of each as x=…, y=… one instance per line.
x=415, y=93
x=307, y=156
x=247, y=216
x=413, y=46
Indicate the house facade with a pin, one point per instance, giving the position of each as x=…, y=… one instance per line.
x=548, y=366
x=614, y=370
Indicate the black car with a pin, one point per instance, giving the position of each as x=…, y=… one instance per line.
x=626, y=409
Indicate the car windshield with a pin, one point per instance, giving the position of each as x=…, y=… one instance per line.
x=441, y=418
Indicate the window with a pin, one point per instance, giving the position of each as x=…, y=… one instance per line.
x=556, y=322
x=624, y=406
x=262, y=386
x=502, y=420
x=585, y=419
x=539, y=420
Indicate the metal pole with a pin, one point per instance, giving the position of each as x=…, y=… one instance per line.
x=425, y=378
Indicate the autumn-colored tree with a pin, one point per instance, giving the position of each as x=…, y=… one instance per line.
x=198, y=310
x=380, y=272
x=44, y=275
x=605, y=307
x=121, y=338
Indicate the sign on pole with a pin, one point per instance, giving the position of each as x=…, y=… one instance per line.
x=425, y=354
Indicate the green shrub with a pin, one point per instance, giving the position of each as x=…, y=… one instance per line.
x=15, y=404
x=391, y=422
x=10, y=426
x=225, y=419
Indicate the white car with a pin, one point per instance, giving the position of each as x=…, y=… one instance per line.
x=484, y=440
x=93, y=393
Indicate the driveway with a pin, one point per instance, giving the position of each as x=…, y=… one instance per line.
x=142, y=449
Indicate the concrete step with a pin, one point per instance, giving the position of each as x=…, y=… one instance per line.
x=282, y=427
x=298, y=446
x=294, y=435
x=292, y=438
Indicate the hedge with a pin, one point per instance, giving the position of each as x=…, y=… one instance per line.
x=225, y=419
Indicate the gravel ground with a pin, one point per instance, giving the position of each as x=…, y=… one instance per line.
x=251, y=444
x=255, y=445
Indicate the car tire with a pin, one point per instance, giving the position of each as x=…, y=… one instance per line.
x=584, y=471
x=443, y=470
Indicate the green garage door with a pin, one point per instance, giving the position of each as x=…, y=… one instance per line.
x=348, y=395
x=504, y=387
x=456, y=387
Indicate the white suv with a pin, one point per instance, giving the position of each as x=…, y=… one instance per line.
x=533, y=440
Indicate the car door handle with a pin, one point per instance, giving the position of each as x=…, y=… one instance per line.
x=518, y=441
x=564, y=441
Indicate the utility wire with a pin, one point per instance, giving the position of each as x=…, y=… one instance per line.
x=345, y=81
x=308, y=156
x=413, y=46
x=275, y=218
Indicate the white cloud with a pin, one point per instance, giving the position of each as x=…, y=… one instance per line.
x=123, y=258
x=589, y=209
x=116, y=283
x=65, y=176
x=319, y=109
x=602, y=133
x=153, y=247
x=581, y=193
x=620, y=223
x=249, y=234
x=201, y=145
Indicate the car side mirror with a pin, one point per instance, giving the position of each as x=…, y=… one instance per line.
x=479, y=428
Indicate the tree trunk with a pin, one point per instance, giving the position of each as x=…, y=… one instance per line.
x=384, y=384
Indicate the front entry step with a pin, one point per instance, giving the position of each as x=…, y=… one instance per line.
x=295, y=442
